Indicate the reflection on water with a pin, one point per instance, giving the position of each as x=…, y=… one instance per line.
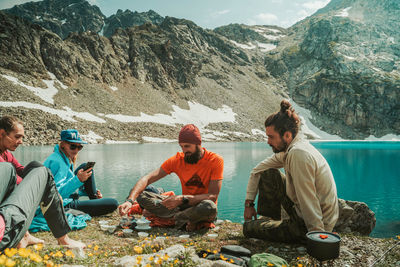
x=363, y=172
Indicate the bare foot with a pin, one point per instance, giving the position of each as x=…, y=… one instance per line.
x=70, y=243
x=99, y=194
x=29, y=239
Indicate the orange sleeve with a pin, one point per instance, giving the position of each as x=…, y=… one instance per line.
x=218, y=168
x=169, y=165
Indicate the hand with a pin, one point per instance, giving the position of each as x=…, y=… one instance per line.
x=250, y=213
x=124, y=208
x=99, y=194
x=84, y=175
x=172, y=202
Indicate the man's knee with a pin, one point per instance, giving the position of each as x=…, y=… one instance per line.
x=271, y=174
x=206, y=208
x=7, y=170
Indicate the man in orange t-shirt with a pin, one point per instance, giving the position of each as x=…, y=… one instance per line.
x=200, y=172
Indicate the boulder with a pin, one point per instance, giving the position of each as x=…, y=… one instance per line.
x=355, y=216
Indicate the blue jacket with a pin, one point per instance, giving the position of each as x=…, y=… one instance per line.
x=63, y=171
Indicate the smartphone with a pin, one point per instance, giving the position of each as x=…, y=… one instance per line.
x=89, y=165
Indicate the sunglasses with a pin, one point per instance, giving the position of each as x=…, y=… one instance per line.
x=75, y=146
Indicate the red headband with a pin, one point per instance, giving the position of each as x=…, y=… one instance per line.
x=190, y=134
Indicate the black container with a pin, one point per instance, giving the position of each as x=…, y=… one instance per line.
x=323, y=245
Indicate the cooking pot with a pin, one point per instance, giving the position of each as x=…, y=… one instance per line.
x=323, y=245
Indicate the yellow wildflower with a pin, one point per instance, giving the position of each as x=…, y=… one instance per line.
x=38, y=247
x=69, y=253
x=90, y=245
x=24, y=253
x=138, y=250
x=151, y=258
x=10, y=252
x=165, y=234
x=299, y=265
x=398, y=237
x=147, y=265
x=58, y=254
x=166, y=237
x=10, y=263
x=166, y=257
x=96, y=247
x=154, y=251
x=159, y=261
x=214, y=251
x=90, y=254
x=204, y=255
x=176, y=261
x=3, y=259
x=46, y=257
x=35, y=257
x=231, y=261
x=49, y=264
x=270, y=264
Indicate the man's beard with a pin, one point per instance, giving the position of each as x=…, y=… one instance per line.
x=282, y=147
x=194, y=157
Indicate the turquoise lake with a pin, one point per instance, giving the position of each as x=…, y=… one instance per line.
x=363, y=171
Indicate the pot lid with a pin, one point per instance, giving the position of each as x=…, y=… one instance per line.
x=325, y=237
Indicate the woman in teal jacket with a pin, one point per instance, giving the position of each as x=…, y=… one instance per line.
x=68, y=181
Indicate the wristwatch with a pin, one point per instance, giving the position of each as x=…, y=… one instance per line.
x=185, y=200
x=249, y=204
x=129, y=200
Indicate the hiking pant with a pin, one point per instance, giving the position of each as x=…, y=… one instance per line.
x=18, y=203
x=204, y=211
x=272, y=195
x=93, y=206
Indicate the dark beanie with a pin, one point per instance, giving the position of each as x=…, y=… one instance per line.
x=190, y=134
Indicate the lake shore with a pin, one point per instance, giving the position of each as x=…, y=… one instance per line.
x=106, y=248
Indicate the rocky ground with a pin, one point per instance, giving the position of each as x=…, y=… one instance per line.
x=109, y=249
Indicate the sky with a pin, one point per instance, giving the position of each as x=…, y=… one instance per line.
x=213, y=13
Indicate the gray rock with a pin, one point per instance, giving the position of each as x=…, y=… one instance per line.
x=355, y=217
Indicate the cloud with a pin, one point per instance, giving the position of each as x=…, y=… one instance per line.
x=314, y=5
x=217, y=14
x=265, y=18
x=223, y=12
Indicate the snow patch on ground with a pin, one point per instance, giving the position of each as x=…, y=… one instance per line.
x=113, y=88
x=91, y=137
x=108, y=142
x=46, y=94
x=197, y=114
x=266, y=47
x=244, y=46
x=388, y=137
x=157, y=140
x=308, y=128
x=67, y=114
x=344, y=12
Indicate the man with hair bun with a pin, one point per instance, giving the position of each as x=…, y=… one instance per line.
x=200, y=172
x=307, y=190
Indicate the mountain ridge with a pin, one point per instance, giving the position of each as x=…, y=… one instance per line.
x=168, y=61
